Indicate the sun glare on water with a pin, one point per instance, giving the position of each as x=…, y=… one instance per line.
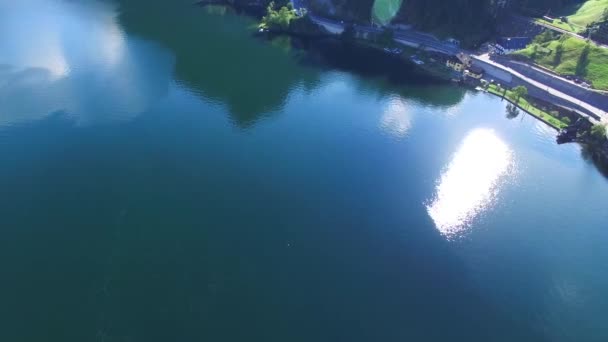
x=471, y=181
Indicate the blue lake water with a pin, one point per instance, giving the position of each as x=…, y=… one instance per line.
x=168, y=177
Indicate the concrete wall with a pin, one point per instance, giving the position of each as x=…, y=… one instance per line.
x=509, y=80
x=493, y=72
x=407, y=43
x=597, y=100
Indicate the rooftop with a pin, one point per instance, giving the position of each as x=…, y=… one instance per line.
x=476, y=69
x=514, y=43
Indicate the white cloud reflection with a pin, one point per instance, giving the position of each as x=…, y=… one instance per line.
x=471, y=181
x=72, y=56
x=396, y=120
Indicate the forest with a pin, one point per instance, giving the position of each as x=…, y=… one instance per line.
x=466, y=19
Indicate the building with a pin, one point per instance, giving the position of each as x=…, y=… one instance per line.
x=465, y=59
x=474, y=72
x=455, y=64
x=511, y=44
x=459, y=63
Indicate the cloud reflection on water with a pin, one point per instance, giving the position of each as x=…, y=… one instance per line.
x=74, y=57
x=470, y=183
x=396, y=119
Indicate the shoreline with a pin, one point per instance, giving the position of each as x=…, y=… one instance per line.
x=527, y=111
x=432, y=69
x=517, y=105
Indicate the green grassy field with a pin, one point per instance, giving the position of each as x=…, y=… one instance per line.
x=594, y=69
x=581, y=15
x=529, y=108
x=564, y=26
x=384, y=11
x=590, y=12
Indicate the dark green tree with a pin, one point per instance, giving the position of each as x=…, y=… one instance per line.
x=583, y=61
x=519, y=92
x=598, y=131
x=545, y=37
x=349, y=35
x=559, y=52
x=386, y=37
x=278, y=19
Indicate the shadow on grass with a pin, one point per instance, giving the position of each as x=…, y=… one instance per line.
x=583, y=61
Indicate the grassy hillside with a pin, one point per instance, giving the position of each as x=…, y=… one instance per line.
x=581, y=15
x=571, y=56
x=590, y=12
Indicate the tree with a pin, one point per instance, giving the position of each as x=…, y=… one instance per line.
x=278, y=19
x=519, y=92
x=559, y=52
x=349, y=34
x=545, y=37
x=598, y=131
x=534, y=51
x=386, y=37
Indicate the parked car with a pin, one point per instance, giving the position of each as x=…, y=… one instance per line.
x=416, y=60
x=394, y=51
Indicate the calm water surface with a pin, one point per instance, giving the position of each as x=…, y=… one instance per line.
x=167, y=177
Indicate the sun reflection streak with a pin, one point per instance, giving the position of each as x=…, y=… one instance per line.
x=470, y=183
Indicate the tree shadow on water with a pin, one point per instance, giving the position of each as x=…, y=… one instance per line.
x=512, y=111
x=382, y=71
x=592, y=157
x=252, y=78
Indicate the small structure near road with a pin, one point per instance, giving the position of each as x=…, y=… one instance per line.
x=417, y=60
x=510, y=44
x=393, y=51
x=548, y=19
x=459, y=62
x=462, y=63
x=455, y=63
x=474, y=72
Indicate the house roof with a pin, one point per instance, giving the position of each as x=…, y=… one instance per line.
x=453, y=59
x=476, y=69
x=514, y=43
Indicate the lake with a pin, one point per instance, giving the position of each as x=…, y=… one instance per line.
x=167, y=176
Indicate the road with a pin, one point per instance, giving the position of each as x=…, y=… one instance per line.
x=562, y=79
x=408, y=36
x=419, y=38
x=600, y=113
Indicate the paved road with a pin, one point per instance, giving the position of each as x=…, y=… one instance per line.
x=408, y=36
x=429, y=41
x=600, y=113
x=562, y=79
